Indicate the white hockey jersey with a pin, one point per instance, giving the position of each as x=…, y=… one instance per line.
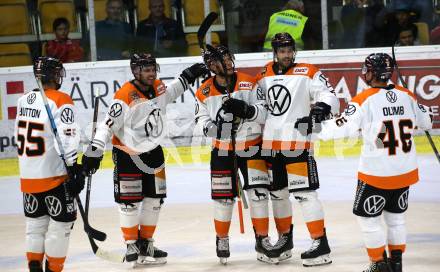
x=387, y=118
x=41, y=168
x=137, y=120
x=208, y=109
x=289, y=97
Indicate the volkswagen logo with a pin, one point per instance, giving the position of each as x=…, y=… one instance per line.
x=30, y=203
x=31, y=98
x=53, y=205
x=374, y=204
x=67, y=116
x=391, y=96
x=154, y=124
x=403, y=200
x=279, y=99
x=351, y=109
x=115, y=110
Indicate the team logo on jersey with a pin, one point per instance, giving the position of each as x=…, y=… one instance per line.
x=115, y=110
x=30, y=203
x=351, y=109
x=391, y=96
x=422, y=108
x=279, y=99
x=301, y=70
x=31, y=98
x=245, y=85
x=67, y=116
x=374, y=204
x=53, y=205
x=134, y=95
x=403, y=200
x=154, y=124
x=205, y=91
x=161, y=89
x=260, y=94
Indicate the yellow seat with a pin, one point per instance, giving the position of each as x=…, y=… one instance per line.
x=13, y=2
x=193, y=44
x=17, y=54
x=194, y=11
x=100, y=7
x=423, y=32
x=14, y=19
x=143, y=9
x=52, y=9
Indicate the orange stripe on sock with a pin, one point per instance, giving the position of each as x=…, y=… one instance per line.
x=283, y=224
x=222, y=228
x=32, y=256
x=397, y=247
x=147, y=231
x=56, y=264
x=130, y=233
x=261, y=225
x=376, y=254
x=316, y=228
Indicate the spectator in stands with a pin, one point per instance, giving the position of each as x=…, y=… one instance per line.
x=408, y=35
x=63, y=48
x=398, y=19
x=160, y=34
x=114, y=37
x=435, y=35
x=353, y=22
x=290, y=19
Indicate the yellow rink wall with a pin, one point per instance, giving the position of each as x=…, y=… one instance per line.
x=201, y=154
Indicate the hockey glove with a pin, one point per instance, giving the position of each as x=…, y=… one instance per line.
x=76, y=181
x=191, y=73
x=92, y=159
x=320, y=112
x=239, y=108
x=306, y=125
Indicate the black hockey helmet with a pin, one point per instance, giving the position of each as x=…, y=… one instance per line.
x=49, y=69
x=381, y=64
x=216, y=53
x=282, y=39
x=142, y=60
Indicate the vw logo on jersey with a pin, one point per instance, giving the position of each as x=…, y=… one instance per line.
x=154, y=124
x=391, y=96
x=53, y=205
x=31, y=98
x=403, y=200
x=260, y=94
x=422, y=108
x=67, y=116
x=351, y=109
x=115, y=110
x=30, y=203
x=279, y=99
x=374, y=204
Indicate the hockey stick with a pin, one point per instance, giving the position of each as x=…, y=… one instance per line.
x=89, y=177
x=106, y=255
x=204, y=27
x=428, y=135
x=91, y=232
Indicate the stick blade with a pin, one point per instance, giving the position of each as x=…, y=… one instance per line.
x=204, y=27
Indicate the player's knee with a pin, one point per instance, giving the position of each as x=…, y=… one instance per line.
x=394, y=219
x=151, y=204
x=369, y=224
x=37, y=226
x=305, y=196
x=279, y=195
x=129, y=209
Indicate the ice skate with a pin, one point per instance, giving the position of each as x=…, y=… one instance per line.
x=149, y=254
x=222, y=248
x=284, y=245
x=318, y=253
x=35, y=266
x=396, y=260
x=380, y=266
x=265, y=250
x=132, y=252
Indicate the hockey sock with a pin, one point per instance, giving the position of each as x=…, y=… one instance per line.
x=374, y=236
x=312, y=211
x=56, y=243
x=259, y=209
x=149, y=216
x=282, y=210
x=36, y=229
x=316, y=228
x=396, y=230
x=222, y=216
x=129, y=220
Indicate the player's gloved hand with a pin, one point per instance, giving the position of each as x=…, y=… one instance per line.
x=306, y=125
x=239, y=108
x=320, y=112
x=92, y=159
x=191, y=73
x=76, y=181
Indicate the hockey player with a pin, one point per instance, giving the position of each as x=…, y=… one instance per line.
x=226, y=92
x=290, y=90
x=387, y=116
x=48, y=193
x=136, y=119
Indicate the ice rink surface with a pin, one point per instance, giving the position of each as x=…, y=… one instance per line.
x=186, y=230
